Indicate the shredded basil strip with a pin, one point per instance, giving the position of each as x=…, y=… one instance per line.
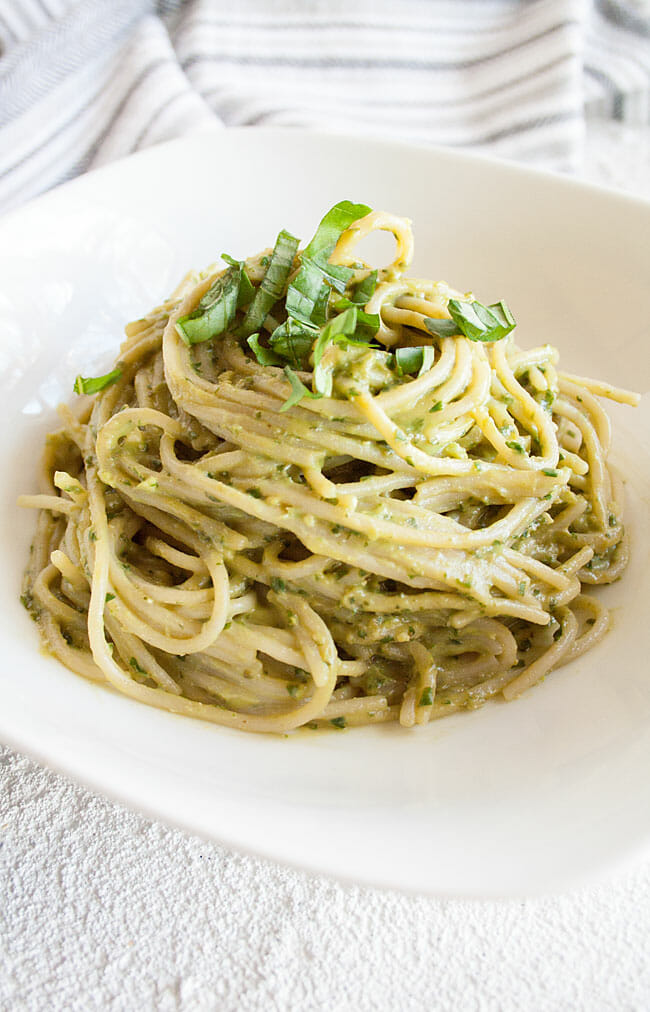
x=293, y=341
x=272, y=284
x=316, y=276
x=336, y=221
x=367, y=323
x=410, y=360
x=298, y=390
x=479, y=322
x=441, y=327
x=340, y=329
x=263, y=355
x=364, y=291
x=216, y=310
x=93, y=384
x=246, y=289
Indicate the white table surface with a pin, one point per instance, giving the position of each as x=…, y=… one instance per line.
x=104, y=909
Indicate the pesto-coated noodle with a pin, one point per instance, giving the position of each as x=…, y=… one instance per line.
x=313, y=493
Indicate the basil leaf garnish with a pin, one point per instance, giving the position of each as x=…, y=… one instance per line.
x=307, y=289
x=93, y=384
x=216, y=310
x=441, y=327
x=272, y=284
x=298, y=390
x=263, y=355
x=479, y=322
x=414, y=360
x=293, y=341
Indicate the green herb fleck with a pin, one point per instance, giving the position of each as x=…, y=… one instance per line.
x=93, y=384
x=426, y=699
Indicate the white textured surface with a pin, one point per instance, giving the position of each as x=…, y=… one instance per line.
x=105, y=910
x=102, y=909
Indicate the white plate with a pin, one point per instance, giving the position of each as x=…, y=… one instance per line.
x=517, y=798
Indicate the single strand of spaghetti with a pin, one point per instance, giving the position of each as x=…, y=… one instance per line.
x=603, y=389
x=71, y=572
x=549, y=660
x=390, y=603
x=294, y=570
x=375, y=485
x=599, y=418
x=521, y=359
x=598, y=475
x=427, y=673
x=175, y=557
x=76, y=660
x=277, y=643
x=55, y=606
x=577, y=561
x=178, y=594
x=528, y=564
x=615, y=568
x=588, y=639
x=400, y=228
x=56, y=503
x=356, y=706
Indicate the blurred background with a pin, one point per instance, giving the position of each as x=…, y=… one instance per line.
x=559, y=84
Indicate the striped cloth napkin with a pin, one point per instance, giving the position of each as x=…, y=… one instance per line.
x=86, y=81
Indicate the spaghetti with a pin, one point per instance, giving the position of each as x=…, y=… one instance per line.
x=313, y=493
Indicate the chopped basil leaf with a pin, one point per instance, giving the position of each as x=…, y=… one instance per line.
x=310, y=287
x=293, y=341
x=367, y=323
x=550, y=471
x=410, y=360
x=246, y=290
x=263, y=355
x=479, y=322
x=93, y=384
x=336, y=221
x=338, y=722
x=298, y=390
x=441, y=327
x=365, y=290
x=426, y=699
x=272, y=284
x=341, y=328
x=216, y=310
